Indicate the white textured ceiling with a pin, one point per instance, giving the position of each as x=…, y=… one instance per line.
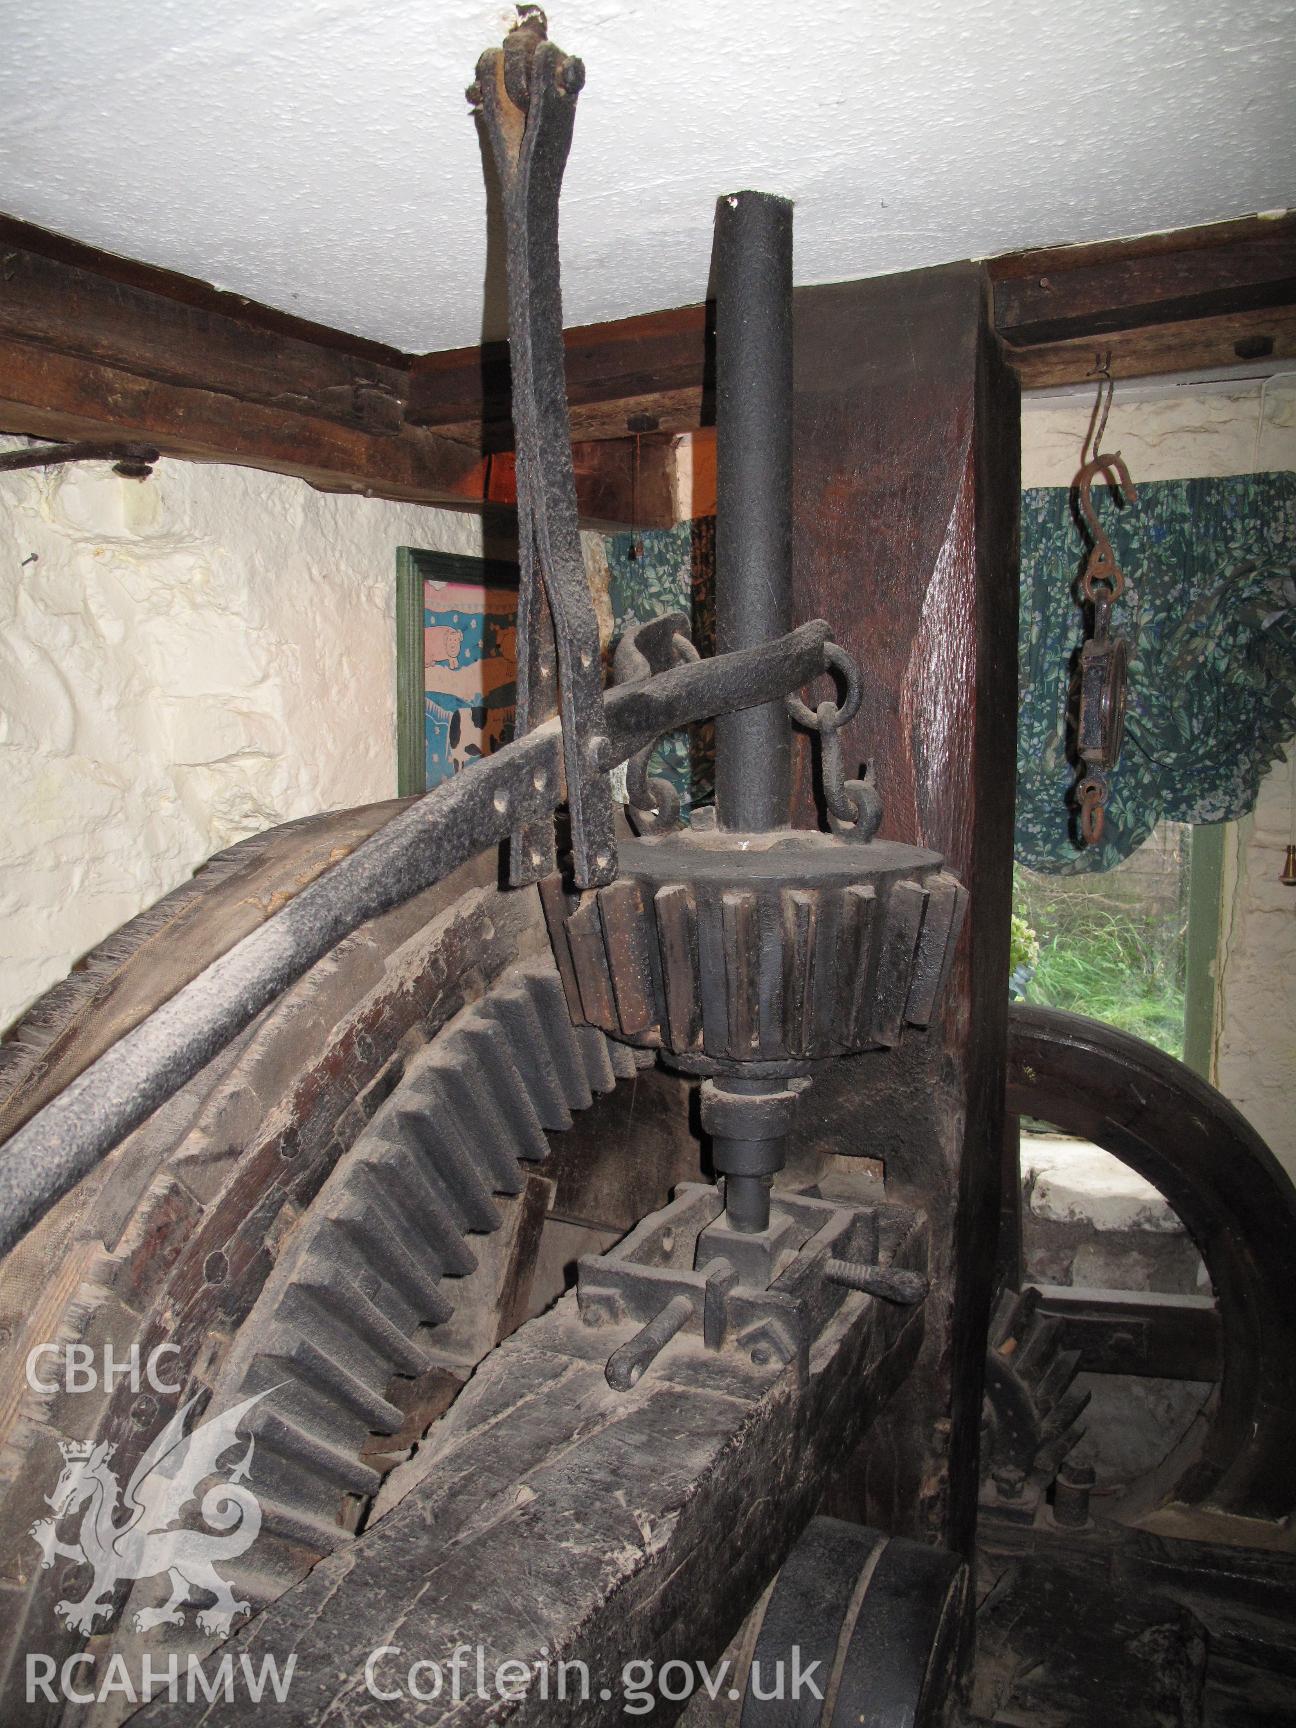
x=318, y=154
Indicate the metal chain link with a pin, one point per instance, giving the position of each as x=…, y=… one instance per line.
x=835, y=659
x=828, y=719
x=1092, y=795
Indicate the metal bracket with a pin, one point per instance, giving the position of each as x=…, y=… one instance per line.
x=676, y=1273
x=131, y=461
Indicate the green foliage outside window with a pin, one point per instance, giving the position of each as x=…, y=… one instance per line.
x=1111, y=947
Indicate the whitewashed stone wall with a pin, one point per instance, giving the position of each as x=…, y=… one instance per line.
x=1179, y=434
x=184, y=661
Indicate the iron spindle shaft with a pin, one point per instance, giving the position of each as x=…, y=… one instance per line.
x=753, y=560
x=753, y=491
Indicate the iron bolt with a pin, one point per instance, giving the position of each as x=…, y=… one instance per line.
x=891, y=1283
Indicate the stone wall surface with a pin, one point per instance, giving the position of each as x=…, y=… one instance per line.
x=184, y=661
x=1179, y=433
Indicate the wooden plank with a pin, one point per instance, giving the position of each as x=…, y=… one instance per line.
x=1086, y=291
x=620, y=482
x=77, y=313
x=48, y=394
x=186, y=290
x=1038, y=260
x=1157, y=350
x=1192, y=300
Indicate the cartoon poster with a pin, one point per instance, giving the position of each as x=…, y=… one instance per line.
x=469, y=673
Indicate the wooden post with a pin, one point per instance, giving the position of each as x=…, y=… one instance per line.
x=905, y=536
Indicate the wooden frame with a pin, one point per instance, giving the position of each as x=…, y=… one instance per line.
x=1201, y=298
x=1205, y=890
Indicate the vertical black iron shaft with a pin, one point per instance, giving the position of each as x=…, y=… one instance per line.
x=753, y=282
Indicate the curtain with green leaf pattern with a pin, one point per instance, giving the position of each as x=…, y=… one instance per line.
x=1209, y=610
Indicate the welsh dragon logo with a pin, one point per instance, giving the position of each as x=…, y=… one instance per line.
x=140, y=1544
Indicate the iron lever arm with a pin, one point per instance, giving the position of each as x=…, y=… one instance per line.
x=522, y=783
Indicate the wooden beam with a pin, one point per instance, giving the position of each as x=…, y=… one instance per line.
x=905, y=507
x=73, y=310
x=96, y=347
x=1137, y=1331
x=1156, y=350
x=1217, y=296
x=129, y=273
x=1199, y=298
x=45, y=393
x=171, y=361
x=620, y=482
x=654, y=373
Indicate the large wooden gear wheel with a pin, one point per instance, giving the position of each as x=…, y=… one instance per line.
x=340, y=1205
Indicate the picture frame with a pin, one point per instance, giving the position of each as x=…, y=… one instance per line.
x=456, y=672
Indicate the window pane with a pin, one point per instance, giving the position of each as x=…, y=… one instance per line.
x=1111, y=945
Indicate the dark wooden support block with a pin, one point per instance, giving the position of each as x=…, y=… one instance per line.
x=906, y=499
x=1137, y=1332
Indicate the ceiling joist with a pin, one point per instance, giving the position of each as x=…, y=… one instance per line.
x=1195, y=300
x=97, y=347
